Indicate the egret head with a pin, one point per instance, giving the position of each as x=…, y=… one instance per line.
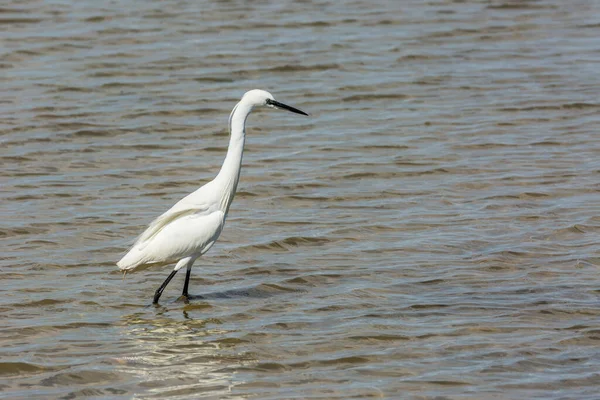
x=263, y=98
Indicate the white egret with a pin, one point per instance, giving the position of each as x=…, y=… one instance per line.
x=189, y=228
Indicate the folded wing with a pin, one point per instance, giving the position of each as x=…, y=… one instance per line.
x=189, y=228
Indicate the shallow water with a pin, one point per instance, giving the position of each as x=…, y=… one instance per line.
x=431, y=230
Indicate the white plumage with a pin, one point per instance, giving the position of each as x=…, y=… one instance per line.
x=189, y=228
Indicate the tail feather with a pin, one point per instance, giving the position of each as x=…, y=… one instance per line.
x=131, y=260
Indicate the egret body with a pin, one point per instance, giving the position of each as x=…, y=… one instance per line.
x=190, y=228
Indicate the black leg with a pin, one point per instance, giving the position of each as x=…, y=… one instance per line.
x=187, y=281
x=163, y=286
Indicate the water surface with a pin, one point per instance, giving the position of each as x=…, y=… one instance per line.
x=431, y=231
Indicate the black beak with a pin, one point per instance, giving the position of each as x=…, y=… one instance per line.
x=285, y=107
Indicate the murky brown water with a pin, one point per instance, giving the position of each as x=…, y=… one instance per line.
x=432, y=230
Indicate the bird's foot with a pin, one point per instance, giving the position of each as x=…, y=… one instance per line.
x=156, y=297
x=185, y=298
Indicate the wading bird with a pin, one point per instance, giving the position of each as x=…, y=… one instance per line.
x=191, y=227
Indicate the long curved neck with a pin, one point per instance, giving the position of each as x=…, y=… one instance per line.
x=229, y=174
